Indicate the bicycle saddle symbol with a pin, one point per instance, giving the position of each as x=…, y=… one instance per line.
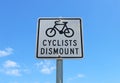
x=68, y=32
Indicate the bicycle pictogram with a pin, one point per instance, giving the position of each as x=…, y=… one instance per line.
x=68, y=32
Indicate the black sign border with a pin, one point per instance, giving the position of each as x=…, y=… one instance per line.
x=37, y=44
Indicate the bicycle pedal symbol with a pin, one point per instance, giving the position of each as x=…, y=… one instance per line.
x=68, y=32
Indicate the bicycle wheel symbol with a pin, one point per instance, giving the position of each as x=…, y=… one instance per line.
x=68, y=32
x=50, y=32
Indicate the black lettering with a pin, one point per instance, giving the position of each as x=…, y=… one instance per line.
x=62, y=42
x=44, y=44
x=66, y=42
x=70, y=42
x=53, y=43
x=61, y=51
x=49, y=42
x=55, y=51
x=46, y=50
x=76, y=50
x=42, y=51
x=74, y=42
x=58, y=43
x=71, y=50
x=66, y=50
x=50, y=51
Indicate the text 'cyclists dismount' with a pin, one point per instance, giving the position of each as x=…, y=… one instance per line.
x=59, y=37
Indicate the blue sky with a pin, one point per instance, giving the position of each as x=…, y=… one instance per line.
x=18, y=25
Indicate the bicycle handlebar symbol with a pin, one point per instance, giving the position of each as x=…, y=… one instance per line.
x=68, y=32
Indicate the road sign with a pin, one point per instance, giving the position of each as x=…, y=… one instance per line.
x=59, y=37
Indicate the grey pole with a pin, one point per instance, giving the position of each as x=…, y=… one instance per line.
x=59, y=72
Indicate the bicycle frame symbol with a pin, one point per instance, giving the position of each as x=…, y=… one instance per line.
x=68, y=32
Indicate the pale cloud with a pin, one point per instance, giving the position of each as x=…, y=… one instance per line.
x=47, y=70
x=6, y=52
x=12, y=68
x=27, y=71
x=14, y=72
x=46, y=67
x=10, y=64
x=78, y=76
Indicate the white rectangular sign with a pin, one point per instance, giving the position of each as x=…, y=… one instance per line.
x=59, y=37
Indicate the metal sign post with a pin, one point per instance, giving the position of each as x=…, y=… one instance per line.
x=59, y=72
